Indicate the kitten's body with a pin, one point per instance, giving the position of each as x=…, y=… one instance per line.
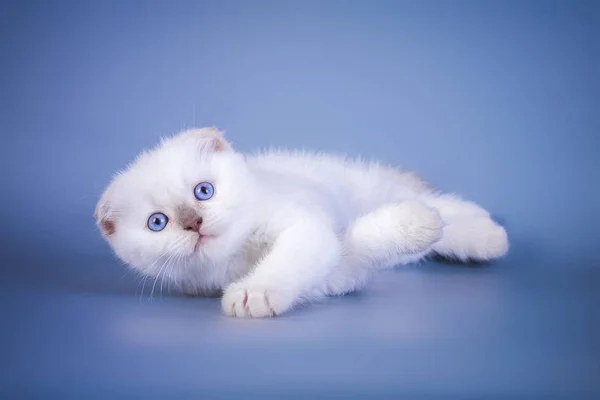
x=282, y=227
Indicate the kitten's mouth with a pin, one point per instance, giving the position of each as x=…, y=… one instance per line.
x=201, y=239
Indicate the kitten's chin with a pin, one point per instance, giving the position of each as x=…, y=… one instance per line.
x=217, y=249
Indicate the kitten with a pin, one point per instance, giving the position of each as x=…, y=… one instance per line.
x=273, y=230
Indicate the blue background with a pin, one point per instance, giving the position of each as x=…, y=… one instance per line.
x=496, y=100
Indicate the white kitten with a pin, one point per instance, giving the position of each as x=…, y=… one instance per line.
x=276, y=229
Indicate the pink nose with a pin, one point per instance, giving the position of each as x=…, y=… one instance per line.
x=193, y=224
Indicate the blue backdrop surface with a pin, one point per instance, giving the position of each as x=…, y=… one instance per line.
x=496, y=100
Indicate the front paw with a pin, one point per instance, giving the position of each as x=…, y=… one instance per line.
x=248, y=300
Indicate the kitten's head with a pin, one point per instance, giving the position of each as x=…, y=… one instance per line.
x=185, y=202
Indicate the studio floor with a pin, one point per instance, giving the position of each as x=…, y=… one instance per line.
x=430, y=331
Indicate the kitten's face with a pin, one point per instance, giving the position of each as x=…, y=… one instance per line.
x=183, y=204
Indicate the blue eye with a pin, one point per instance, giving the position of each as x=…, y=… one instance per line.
x=204, y=191
x=157, y=222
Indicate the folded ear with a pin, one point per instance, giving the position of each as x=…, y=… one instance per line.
x=212, y=139
x=105, y=218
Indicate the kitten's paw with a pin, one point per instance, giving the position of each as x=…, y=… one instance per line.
x=418, y=227
x=403, y=228
x=247, y=300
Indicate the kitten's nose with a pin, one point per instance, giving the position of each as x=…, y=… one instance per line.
x=193, y=224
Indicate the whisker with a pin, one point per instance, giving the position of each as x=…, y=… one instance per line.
x=145, y=278
x=168, y=261
x=171, y=261
x=160, y=270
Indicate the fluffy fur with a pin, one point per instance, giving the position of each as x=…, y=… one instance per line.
x=281, y=227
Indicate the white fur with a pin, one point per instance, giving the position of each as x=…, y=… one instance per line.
x=284, y=227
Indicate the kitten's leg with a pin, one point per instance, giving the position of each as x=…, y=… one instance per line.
x=393, y=234
x=392, y=231
x=301, y=256
x=469, y=233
